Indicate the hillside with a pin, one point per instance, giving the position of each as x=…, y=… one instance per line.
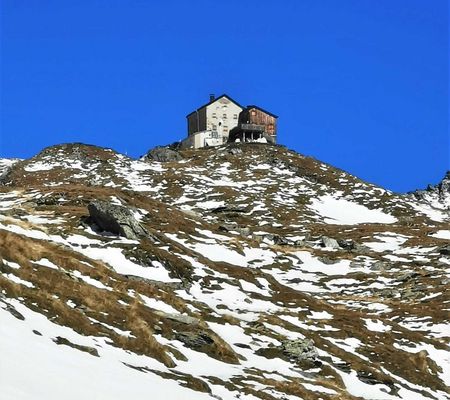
x=243, y=272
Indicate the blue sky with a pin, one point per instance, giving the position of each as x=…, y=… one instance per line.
x=360, y=84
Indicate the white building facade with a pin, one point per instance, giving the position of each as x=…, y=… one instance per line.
x=211, y=124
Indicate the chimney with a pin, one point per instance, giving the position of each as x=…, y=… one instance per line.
x=212, y=96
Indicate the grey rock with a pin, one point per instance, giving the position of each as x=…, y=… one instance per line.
x=228, y=226
x=4, y=175
x=360, y=249
x=442, y=189
x=329, y=242
x=191, y=213
x=158, y=284
x=300, y=349
x=235, y=151
x=301, y=243
x=388, y=293
x=282, y=241
x=343, y=366
x=275, y=239
x=228, y=210
x=328, y=261
x=11, y=309
x=356, y=264
x=243, y=231
x=407, y=276
x=184, y=319
x=445, y=250
x=275, y=161
x=18, y=212
x=379, y=266
x=194, y=339
x=115, y=219
x=410, y=294
x=163, y=154
x=406, y=220
x=369, y=378
x=233, y=227
x=87, y=349
x=346, y=244
x=420, y=194
x=445, y=281
x=352, y=246
x=258, y=238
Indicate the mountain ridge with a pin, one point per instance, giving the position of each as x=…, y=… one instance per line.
x=6, y=163
x=263, y=274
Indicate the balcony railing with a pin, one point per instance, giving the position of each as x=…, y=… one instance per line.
x=252, y=127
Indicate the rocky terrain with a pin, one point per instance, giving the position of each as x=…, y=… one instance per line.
x=241, y=272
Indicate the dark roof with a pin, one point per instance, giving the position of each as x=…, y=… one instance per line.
x=262, y=109
x=212, y=101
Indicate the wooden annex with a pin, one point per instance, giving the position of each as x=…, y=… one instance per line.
x=255, y=124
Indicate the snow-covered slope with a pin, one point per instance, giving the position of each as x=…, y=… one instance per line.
x=264, y=275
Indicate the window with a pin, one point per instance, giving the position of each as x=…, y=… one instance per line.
x=253, y=112
x=234, y=116
x=214, y=115
x=225, y=116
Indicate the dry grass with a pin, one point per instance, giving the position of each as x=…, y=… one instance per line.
x=54, y=288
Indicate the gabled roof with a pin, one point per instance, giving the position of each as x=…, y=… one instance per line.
x=213, y=101
x=262, y=109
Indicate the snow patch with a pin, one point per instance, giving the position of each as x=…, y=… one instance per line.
x=344, y=212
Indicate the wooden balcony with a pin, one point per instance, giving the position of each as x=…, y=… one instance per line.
x=251, y=128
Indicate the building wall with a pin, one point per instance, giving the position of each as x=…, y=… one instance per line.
x=222, y=116
x=200, y=139
x=202, y=119
x=255, y=116
x=192, y=123
x=197, y=121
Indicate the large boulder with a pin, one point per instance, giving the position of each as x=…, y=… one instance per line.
x=163, y=154
x=300, y=350
x=116, y=219
x=194, y=340
x=330, y=242
x=380, y=266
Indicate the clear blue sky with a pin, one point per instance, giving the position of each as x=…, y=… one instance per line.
x=360, y=84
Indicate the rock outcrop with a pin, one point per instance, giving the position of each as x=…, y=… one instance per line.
x=300, y=350
x=194, y=340
x=163, y=154
x=115, y=219
x=441, y=190
x=330, y=242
